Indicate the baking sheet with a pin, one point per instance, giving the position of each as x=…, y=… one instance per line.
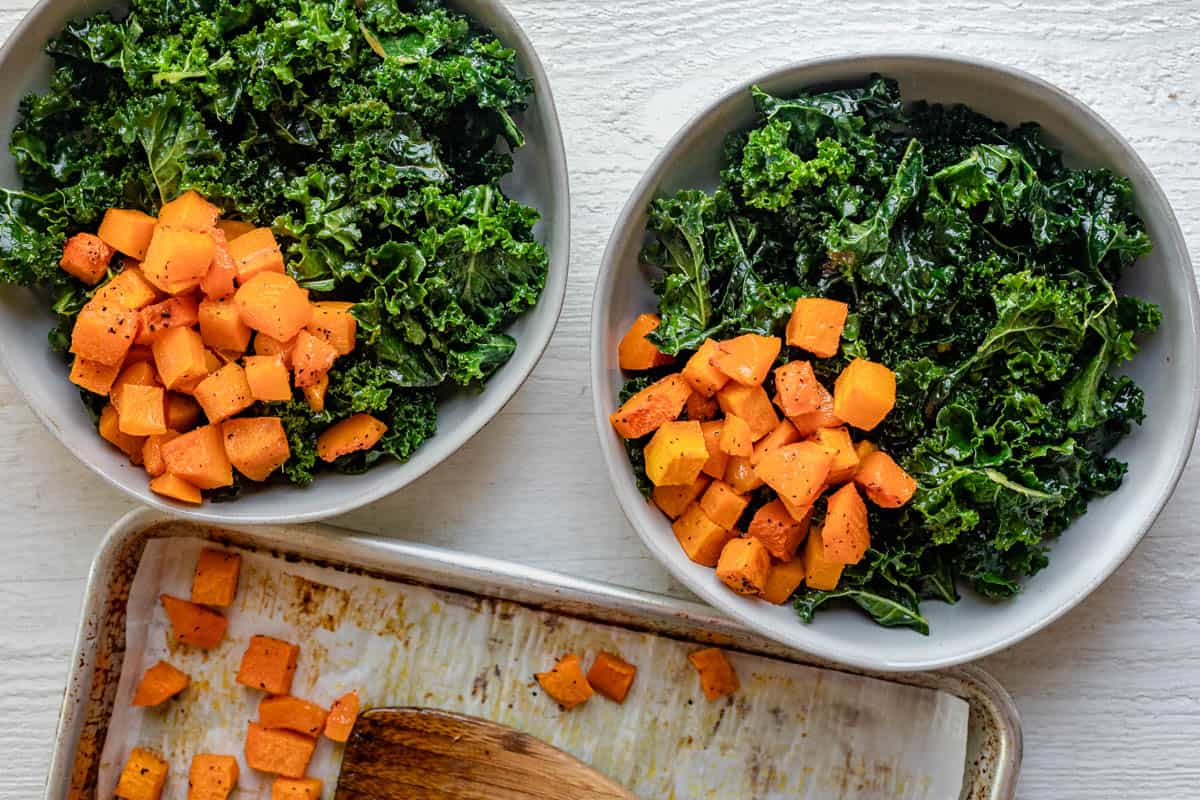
x=792, y=731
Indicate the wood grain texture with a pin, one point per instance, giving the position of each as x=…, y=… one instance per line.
x=1109, y=695
x=425, y=754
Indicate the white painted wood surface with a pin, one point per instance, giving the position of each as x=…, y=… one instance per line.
x=1110, y=695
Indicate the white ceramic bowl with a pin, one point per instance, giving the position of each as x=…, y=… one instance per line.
x=1166, y=368
x=539, y=179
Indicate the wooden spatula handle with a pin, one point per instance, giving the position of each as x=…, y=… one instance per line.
x=424, y=754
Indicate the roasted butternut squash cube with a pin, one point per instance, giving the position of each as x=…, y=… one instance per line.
x=198, y=457
x=182, y=412
x=256, y=446
x=846, y=536
x=110, y=430
x=141, y=410
x=159, y=683
x=611, y=676
x=887, y=485
x=823, y=417
x=194, y=624
x=723, y=505
x=189, y=211
x=220, y=282
x=736, y=437
x=224, y=393
x=315, y=395
x=740, y=474
x=143, y=776
x=796, y=471
x=718, y=459
x=747, y=359
x=278, y=751
x=152, y=458
x=138, y=373
x=783, y=580
x=179, y=357
x=816, y=325
x=675, y=454
x=292, y=713
x=700, y=537
x=785, y=433
x=355, y=433
x=751, y=404
x=717, y=677
x=566, y=683
x=674, y=500
x=797, y=390
x=819, y=572
x=221, y=326
x=312, y=358
x=214, y=583
x=97, y=378
x=104, y=332
x=779, y=532
x=86, y=257
x=864, y=393
x=256, y=252
x=212, y=777
x=342, y=716
x=174, y=312
x=333, y=322
x=743, y=565
x=176, y=488
x=233, y=228
x=128, y=289
x=701, y=408
x=273, y=304
x=705, y=379
x=177, y=258
x=269, y=378
x=269, y=665
x=266, y=346
x=647, y=410
x=296, y=789
x=636, y=352
x=845, y=458
x=127, y=230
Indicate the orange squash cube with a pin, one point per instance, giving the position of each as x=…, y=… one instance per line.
x=269, y=378
x=797, y=390
x=110, y=430
x=312, y=358
x=845, y=534
x=636, y=352
x=256, y=446
x=137, y=373
x=740, y=474
x=700, y=537
x=675, y=454
x=104, y=332
x=256, y=252
x=220, y=281
x=674, y=500
x=281, y=752
x=747, y=359
x=342, y=716
x=143, y=776
x=152, y=458
x=717, y=677
x=189, y=211
x=97, y=378
x=127, y=289
x=221, y=326
x=315, y=395
x=215, y=580
x=886, y=483
x=819, y=572
x=176, y=488
x=785, y=433
x=357, y=432
x=159, y=683
x=566, y=683
x=333, y=322
x=296, y=789
x=233, y=228
x=752, y=404
x=823, y=417
x=86, y=257
x=864, y=393
x=701, y=408
x=174, y=312
x=212, y=777
x=647, y=410
x=141, y=410
x=127, y=230
x=816, y=325
x=736, y=437
x=194, y=624
x=723, y=505
x=611, y=676
x=177, y=259
x=198, y=457
x=269, y=665
x=718, y=459
x=182, y=412
x=796, y=471
x=705, y=379
x=291, y=713
x=224, y=393
x=266, y=346
x=273, y=304
x=179, y=356
x=744, y=565
x=780, y=533
x=845, y=458
x=783, y=580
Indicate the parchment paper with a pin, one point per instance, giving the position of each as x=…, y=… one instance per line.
x=790, y=732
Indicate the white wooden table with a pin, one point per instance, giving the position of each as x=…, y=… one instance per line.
x=1110, y=695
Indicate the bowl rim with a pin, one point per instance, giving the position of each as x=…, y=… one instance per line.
x=633, y=504
x=553, y=293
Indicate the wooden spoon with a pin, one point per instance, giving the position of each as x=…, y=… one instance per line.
x=425, y=754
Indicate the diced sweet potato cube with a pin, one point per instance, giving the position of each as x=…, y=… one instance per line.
x=141, y=410
x=705, y=379
x=224, y=393
x=819, y=572
x=355, y=433
x=887, y=484
x=796, y=471
x=127, y=230
x=143, y=777
x=333, y=322
x=182, y=412
x=293, y=714
x=256, y=252
x=189, y=211
x=104, y=332
x=864, y=393
x=179, y=356
x=86, y=257
x=566, y=683
x=740, y=474
x=846, y=535
x=736, y=437
x=216, y=578
x=177, y=259
x=797, y=390
x=269, y=378
x=212, y=777
x=256, y=446
x=221, y=326
x=723, y=505
x=128, y=289
x=611, y=676
x=342, y=716
x=718, y=459
x=315, y=395
x=266, y=346
x=701, y=408
x=176, y=488
x=636, y=352
x=220, y=282
x=674, y=500
x=194, y=624
x=816, y=325
x=159, y=683
x=780, y=533
x=845, y=459
x=751, y=404
x=743, y=565
x=198, y=457
x=296, y=789
x=647, y=410
x=110, y=430
x=783, y=580
x=269, y=665
x=174, y=312
x=700, y=537
x=233, y=228
x=278, y=751
x=97, y=378
x=717, y=677
x=747, y=359
x=311, y=358
x=273, y=304
x=675, y=454
x=823, y=417
x=785, y=433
